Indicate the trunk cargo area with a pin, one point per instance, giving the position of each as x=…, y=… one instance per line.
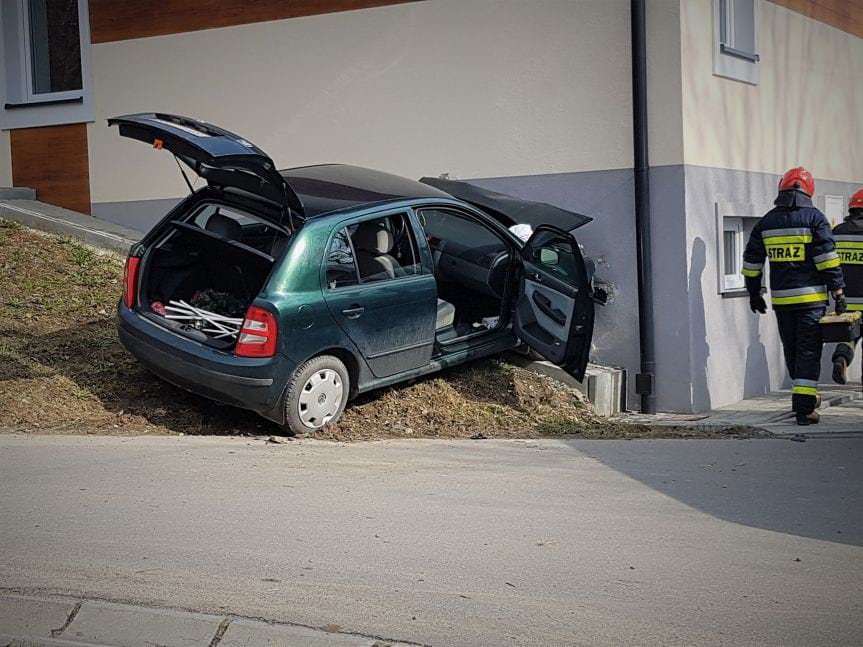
x=200, y=280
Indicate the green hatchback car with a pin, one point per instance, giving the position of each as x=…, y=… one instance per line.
x=289, y=292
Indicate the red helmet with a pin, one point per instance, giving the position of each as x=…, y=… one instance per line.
x=798, y=178
x=856, y=201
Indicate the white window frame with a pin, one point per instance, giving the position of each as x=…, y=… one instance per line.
x=28, y=91
x=732, y=281
x=20, y=106
x=730, y=61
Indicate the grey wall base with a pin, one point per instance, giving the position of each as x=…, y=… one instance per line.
x=139, y=215
x=17, y=193
x=56, y=220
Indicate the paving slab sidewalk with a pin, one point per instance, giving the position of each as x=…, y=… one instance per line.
x=27, y=621
x=841, y=415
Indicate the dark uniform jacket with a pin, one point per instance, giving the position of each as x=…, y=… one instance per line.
x=804, y=265
x=849, y=245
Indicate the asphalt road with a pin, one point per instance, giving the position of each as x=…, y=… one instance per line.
x=453, y=543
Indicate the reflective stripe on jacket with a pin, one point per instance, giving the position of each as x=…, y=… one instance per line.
x=795, y=239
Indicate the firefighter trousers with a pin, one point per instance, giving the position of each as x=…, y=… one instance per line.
x=802, y=344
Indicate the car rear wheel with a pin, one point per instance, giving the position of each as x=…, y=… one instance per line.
x=316, y=394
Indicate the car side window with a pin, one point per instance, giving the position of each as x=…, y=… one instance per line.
x=385, y=248
x=555, y=255
x=341, y=265
x=441, y=225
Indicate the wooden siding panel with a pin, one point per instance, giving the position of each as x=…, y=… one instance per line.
x=54, y=161
x=846, y=15
x=112, y=20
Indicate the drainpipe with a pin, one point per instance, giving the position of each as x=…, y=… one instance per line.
x=644, y=381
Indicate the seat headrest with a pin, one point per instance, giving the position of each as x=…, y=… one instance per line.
x=373, y=236
x=224, y=226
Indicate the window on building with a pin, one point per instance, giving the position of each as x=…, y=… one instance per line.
x=834, y=209
x=736, y=40
x=45, y=58
x=53, y=47
x=732, y=254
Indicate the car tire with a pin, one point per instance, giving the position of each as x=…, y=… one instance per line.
x=316, y=395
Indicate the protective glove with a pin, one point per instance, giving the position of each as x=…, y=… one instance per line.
x=841, y=305
x=757, y=304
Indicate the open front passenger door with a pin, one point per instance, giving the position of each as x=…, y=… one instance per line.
x=554, y=313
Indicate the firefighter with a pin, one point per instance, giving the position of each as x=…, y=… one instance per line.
x=804, y=268
x=849, y=244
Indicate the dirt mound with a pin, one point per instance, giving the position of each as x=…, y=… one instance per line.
x=488, y=399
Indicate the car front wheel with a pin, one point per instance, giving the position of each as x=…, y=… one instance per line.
x=316, y=394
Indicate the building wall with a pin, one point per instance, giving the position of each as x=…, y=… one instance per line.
x=532, y=99
x=474, y=89
x=115, y=20
x=5, y=159
x=664, y=83
x=806, y=109
x=737, y=140
x=733, y=353
x=53, y=160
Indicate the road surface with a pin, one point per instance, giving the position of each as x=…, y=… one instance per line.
x=553, y=542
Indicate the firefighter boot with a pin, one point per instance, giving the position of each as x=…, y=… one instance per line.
x=818, y=402
x=840, y=370
x=805, y=419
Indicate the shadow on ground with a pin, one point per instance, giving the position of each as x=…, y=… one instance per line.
x=812, y=489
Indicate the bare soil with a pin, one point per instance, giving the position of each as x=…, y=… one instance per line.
x=63, y=370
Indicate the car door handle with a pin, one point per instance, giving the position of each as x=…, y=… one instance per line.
x=354, y=311
x=544, y=304
x=536, y=277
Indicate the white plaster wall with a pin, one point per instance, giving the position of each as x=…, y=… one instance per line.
x=485, y=88
x=664, y=83
x=807, y=109
x=5, y=159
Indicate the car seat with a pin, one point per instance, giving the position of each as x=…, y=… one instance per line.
x=224, y=276
x=373, y=243
x=224, y=226
x=445, y=315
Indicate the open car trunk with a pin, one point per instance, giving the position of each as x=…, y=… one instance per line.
x=204, y=273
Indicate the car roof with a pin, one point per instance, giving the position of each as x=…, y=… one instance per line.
x=334, y=187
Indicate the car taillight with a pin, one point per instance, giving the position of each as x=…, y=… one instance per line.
x=130, y=280
x=258, y=335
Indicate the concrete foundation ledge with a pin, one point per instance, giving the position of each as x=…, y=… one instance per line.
x=56, y=220
x=27, y=621
x=16, y=193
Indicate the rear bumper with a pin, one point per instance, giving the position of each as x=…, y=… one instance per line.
x=249, y=383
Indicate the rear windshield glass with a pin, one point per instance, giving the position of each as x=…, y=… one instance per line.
x=239, y=226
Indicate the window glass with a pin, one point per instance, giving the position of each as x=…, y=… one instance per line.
x=55, y=46
x=341, y=266
x=202, y=217
x=732, y=253
x=385, y=248
x=372, y=250
x=447, y=226
x=556, y=255
x=730, y=246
